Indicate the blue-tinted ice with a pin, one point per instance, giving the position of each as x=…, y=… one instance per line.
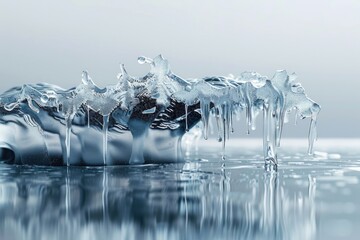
x=141, y=120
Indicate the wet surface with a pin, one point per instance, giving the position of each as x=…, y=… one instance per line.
x=203, y=198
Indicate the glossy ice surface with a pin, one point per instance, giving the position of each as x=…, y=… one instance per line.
x=203, y=198
x=142, y=119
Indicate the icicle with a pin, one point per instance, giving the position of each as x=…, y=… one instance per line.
x=231, y=120
x=248, y=119
x=268, y=119
x=248, y=108
x=225, y=128
x=279, y=125
x=312, y=134
x=272, y=130
x=227, y=119
x=253, y=122
x=223, y=142
x=296, y=116
x=105, y=137
x=69, y=118
x=265, y=130
x=211, y=126
x=88, y=116
x=286, y=116
x=218, y=123
x=315, y=109
x=269, y=134
x=186, y=118
x=205, y=112
x=223, y=156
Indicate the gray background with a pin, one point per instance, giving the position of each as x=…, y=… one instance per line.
x=48, y=41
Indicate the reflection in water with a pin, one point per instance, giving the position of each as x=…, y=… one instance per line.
x=198, y=200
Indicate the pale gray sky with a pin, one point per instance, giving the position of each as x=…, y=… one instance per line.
x=53, y=41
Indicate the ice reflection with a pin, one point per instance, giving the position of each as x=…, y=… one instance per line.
x=197, y=200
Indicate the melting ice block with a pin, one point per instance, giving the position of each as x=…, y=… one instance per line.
x=142, y=120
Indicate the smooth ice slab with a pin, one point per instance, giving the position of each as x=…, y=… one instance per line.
x=142, y=120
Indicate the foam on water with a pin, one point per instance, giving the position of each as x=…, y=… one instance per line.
x=143, y=119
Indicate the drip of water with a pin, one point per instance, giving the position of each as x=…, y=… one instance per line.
x=147, y=114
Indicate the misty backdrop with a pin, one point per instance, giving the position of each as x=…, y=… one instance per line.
x=53, y=41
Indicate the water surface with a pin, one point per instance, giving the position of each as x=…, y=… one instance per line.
x=203, y=198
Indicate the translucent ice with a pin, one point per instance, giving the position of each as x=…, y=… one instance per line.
x=143, y=119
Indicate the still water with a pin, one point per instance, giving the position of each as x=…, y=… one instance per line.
x=203, y=198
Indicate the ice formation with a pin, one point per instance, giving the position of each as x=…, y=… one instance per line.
x=143, y=119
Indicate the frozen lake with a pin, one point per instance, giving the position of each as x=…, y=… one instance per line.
x=203, y=198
